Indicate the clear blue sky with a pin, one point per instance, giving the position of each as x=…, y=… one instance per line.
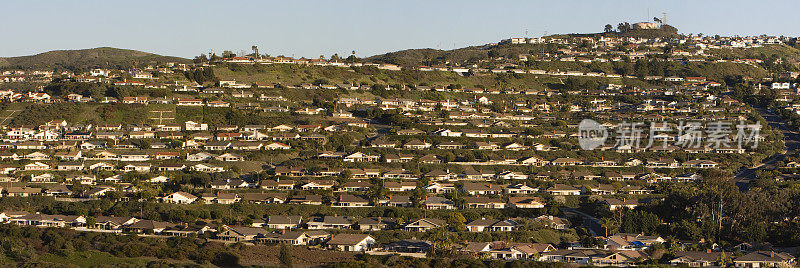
x=310, y=28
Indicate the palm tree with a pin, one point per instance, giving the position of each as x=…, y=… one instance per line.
x=610, y=227
x=255, y=51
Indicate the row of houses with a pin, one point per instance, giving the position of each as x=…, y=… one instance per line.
x=620, y=249
x=528, y=161
x=487, y=199
x=106, y=166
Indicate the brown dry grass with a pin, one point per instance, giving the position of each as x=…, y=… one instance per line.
x=301, y=256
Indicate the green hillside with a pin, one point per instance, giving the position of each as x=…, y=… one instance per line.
x=473, y=54
x=768, y=52
x=429, y=56
x=103, y=57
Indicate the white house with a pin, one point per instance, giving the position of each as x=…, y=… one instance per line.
x=351, y=242
x=179, y=198
x=159, y=179
x=194, y=126
x=207, y=168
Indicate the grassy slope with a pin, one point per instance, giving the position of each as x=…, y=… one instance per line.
x=103, y=57
x=292, y=74
x=785, y=52
x=90, y=259
x=415, y=57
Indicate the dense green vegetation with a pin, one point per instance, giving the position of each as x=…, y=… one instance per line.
x=56, y=246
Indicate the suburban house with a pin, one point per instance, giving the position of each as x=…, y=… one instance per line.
x=351, y=242
x=423, y=225
x=764, y=259
x=179, y=198
x=297, y=238
x=526, y=202
x=284, y=222
x=561, y=189
x=330, y=222
x=241, y=234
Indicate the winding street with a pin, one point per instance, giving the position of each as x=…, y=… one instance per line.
x=791, y=140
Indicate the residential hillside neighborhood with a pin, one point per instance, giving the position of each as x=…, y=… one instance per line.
x=606, y=149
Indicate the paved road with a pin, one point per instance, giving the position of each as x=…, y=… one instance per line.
x=595, y=225
x=791, y=140
x=380, y=129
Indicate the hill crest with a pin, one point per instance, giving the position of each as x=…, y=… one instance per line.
x=101, y=57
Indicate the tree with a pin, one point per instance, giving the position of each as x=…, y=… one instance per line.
x=346, y=174
x=640, y=222
x=723, y=260
x=255, y=51
x=610, y=226
x=687, y=229
x=449, y=157
x=90, y=221
x=214, y=57
x=285, y=256
x=756, y=232
x=376, y=191
x=457, y=222
x=608, y=28
x=442, y=241
x=201, y=75
x=200, y=59
x=623, y=27
x=668, y=49
x=113, y=195
x=718, y=192
x=418, y=196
